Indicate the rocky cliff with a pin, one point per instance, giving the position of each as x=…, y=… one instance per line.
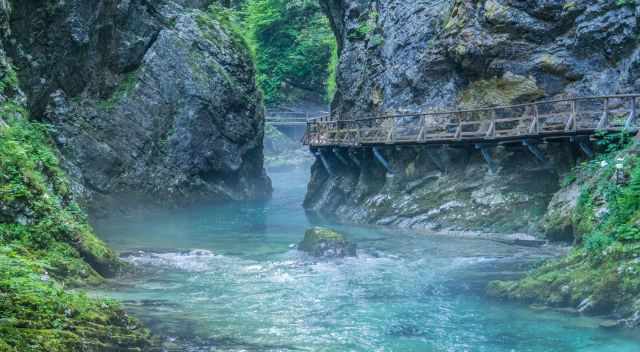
x=147, y=101
x=434, y=54
x=46, y=245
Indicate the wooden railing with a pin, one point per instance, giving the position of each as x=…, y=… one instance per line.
x=546, y=119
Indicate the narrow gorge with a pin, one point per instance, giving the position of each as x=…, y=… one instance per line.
x=160, y=189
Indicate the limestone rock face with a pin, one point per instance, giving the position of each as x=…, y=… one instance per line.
x=326, y=243
x=151, y=101
x=430, y=54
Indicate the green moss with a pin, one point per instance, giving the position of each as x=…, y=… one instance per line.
x=505, y=90
x=47, y=246
x=603, y=269
x=124, y=88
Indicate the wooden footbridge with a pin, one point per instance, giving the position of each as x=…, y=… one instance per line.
x=288, y=118
x=576, y=120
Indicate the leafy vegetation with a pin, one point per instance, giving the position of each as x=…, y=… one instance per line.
x=602, y=273
x=46, y=245
x=294, y=47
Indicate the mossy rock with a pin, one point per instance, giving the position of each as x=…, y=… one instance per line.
x=505, y=90
x=326, y=243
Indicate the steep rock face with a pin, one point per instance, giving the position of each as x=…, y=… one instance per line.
x=147, y=101
x=46, y=244
x=427, y=54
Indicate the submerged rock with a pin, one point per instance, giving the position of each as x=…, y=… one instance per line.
x=326, y=243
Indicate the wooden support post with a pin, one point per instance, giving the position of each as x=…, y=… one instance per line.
x=539, y=154
x=486, y=154
x=603, y=124
x=631, y=120
x=336, y=152
x=325, y=163
x=354, y=157
x=434, y=156
x=583, y=143
x=378, y=155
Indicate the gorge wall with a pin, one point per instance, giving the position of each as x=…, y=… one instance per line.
x=147, y=101
x=103, y=102
x=433, y=54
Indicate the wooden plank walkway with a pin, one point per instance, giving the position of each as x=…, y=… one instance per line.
x=555, y=119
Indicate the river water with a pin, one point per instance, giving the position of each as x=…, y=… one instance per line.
x=227, y=278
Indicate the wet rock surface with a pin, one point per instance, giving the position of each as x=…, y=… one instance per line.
x=147, y=101
x=431, y=54
x=325, y=243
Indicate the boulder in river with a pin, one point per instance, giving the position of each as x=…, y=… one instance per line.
x=327, y=243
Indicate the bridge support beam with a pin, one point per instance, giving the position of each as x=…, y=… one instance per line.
x=434, y=156
x=352, y=155
x=378, y=155
x=338, y=154
x=486, y=154
x=537, y=152
x=583, y=143
x=325, y=162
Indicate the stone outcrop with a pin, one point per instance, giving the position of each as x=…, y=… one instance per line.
x=325, y=243
x=147, y=101
x=431, y=54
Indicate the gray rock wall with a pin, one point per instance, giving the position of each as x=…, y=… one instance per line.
x=441, y=54
x=148, y=101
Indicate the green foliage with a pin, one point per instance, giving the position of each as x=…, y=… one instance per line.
x=597, y=242
x=121, y=91
x=626, y=2
x=38, y=314
x=568, y=179
x=332, y=84
x=604, y=268
x=47, y=244
x=294, y=48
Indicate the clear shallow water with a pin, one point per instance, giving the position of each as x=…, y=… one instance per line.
x=225, y=279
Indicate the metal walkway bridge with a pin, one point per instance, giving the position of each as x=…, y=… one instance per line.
x=573, y=119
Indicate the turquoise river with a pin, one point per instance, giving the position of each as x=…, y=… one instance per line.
x=228, y=278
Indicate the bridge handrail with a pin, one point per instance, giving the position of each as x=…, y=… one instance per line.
x=565, y=118
x=492, y=108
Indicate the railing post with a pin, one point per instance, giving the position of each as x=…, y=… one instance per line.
x=604, y=120
x=423, y=123
x=491, y=132
x=631, y=120
x=534, y=128
x=572, y=122
x=458, y=135
x=392, y=130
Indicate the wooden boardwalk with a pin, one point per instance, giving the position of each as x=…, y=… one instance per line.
x=540, y=121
